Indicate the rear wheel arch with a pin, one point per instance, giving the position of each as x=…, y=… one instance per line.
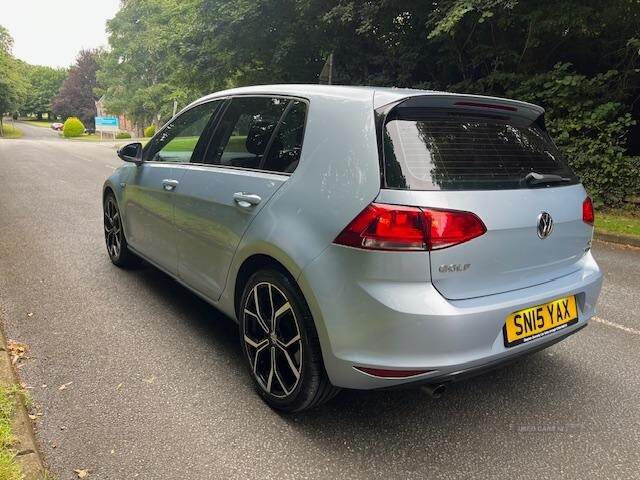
x=249, y=266
x=261, y=261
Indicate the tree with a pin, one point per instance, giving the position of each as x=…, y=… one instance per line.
x=43, y=85
x=76, y=96
x=142, y=74
x=577, y=59
x=12, y=86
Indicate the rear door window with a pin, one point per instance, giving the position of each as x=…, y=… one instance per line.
x=428, y=149
x=244, y=131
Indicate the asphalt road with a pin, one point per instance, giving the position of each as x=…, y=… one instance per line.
x=31, y=132
x=159, y=391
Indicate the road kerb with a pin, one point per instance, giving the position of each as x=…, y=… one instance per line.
x=29, y=456
x=617, y=238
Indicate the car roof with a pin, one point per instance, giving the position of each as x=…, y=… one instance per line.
x=379, y=96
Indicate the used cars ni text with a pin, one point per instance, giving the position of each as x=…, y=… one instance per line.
x=362, y=237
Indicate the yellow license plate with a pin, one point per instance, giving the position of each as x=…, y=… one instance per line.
x=535, y=322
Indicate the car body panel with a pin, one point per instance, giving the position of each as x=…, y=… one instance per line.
x=372, y=319
x=210, y=223
x=148, y=210
x=302, y=218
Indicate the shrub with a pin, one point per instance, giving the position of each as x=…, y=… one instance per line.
x=150, y=131
x=121, y=135
x=73, y=127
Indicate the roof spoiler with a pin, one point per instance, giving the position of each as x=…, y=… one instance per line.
x=456, y=101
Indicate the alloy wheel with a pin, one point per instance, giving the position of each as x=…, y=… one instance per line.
x=272, y=340
x=112, y=228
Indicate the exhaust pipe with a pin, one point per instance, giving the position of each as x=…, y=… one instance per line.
x=434, y=391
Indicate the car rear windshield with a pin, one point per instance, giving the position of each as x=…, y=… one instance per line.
x=428, y=149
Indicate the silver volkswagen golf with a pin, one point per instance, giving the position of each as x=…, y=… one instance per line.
x=362, y=237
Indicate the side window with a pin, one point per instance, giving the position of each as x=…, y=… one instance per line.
x=244, y=131
x=284, y=153
x=177, y=141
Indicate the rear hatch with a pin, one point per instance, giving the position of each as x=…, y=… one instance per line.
x=494, y=158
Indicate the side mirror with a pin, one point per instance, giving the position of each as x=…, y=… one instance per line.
x=131, y=152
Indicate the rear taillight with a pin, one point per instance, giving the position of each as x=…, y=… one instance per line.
x=451, y=227
x=398, y=228
x=588, y=215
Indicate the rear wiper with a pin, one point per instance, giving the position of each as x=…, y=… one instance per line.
x=534, y=178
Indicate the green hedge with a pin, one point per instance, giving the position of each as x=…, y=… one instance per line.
x=121, y=135
x=73, y=127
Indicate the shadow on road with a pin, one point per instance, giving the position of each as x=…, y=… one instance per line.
x=544, y=402
x=494, y=402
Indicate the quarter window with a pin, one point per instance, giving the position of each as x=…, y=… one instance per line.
x=178, y=140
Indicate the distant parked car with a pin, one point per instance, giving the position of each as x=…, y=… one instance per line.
x=363, y=238
x=89, y=131
x=57, y=126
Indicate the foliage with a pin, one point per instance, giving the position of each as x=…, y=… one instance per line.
x=73, y=127
x=579, y=60
x=43, y=84
x=150, y=131
x=121, y=135
x=76, y=96
x=12, y=84
x=140, y=74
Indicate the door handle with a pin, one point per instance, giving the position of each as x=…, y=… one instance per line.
x=169, y=184
x=246, y=200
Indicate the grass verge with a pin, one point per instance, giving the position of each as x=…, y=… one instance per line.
x=620, y=222
x=95, y=137
x=9, y=468
x=10, y=131
x=91, y=137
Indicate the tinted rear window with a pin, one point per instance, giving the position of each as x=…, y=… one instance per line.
x=426, y=150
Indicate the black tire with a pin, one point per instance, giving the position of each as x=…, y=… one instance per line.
x=286, y=393
x=117, y=246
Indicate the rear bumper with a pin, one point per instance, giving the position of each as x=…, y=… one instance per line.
x=489, y=365
x=409, y=325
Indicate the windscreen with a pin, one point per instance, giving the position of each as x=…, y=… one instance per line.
x=439, y=149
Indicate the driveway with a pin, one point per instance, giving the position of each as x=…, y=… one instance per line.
x=31, y=132
x=156, y=388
